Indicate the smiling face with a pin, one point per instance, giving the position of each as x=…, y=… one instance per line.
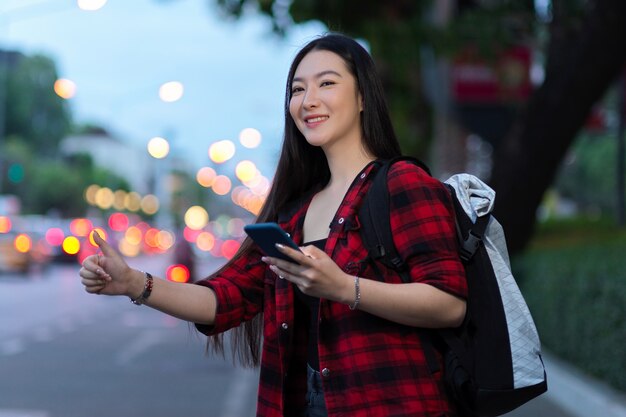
x=325, y=102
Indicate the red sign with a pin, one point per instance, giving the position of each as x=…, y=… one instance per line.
x=506, y=78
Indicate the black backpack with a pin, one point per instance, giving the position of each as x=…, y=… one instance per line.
x=492, y=362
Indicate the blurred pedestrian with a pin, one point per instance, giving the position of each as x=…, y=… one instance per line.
x=338, y=337
x=183, y=255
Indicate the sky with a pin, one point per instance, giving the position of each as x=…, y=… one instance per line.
x=233, y=71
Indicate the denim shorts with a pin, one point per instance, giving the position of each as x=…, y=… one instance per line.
x=315, y=404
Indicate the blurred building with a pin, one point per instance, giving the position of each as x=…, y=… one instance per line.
x=112, y=153
x=475, y=98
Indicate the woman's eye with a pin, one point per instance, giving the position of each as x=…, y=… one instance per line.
x=295, y=90
x=327, y=83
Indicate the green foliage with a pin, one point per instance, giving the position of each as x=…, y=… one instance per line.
x=576, y=291
x=36, y=121
x=398, y=32
x=589, y=177
x=57, y=187
x=33, y=110
x=52, y=183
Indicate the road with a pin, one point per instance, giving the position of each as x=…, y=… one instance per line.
x=65, y=353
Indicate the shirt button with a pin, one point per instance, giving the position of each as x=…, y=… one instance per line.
x=285, y=326
x=325, y=372
x=341, y=220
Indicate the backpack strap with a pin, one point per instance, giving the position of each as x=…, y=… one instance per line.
x=374, y=216
x=470, y=241
x=377, y=237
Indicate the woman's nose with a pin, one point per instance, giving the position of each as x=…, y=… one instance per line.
x=311, y=98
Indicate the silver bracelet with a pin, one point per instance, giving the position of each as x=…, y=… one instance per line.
x=357, y=294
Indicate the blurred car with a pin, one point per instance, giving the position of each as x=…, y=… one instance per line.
x=15, y=253
x=22, y=244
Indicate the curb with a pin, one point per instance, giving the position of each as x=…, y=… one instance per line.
x=579, y=394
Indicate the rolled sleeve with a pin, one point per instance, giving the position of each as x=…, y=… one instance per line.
x=423, y=227
x=239, y=293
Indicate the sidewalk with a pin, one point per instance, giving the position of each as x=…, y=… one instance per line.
x=571, y=393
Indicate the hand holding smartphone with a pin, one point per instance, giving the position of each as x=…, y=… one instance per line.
x=267, y=235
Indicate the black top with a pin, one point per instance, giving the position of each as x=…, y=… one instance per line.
x=313, y=306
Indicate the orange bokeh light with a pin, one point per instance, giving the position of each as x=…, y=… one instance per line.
x=178, y=273
x=81, y=227
x=102, y=234
x=22, y=243
x=5, y=224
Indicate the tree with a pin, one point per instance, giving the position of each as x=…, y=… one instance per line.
x=584, y=59
x=33, y=110
x=585, y=53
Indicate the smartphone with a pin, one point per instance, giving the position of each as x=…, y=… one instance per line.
x=267, y=235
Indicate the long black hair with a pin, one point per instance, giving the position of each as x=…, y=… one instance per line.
x=302, y=166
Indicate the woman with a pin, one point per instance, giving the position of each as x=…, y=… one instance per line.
x=338, y=339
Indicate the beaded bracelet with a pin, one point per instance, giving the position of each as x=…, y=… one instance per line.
x=147, y=290
x=357, y=294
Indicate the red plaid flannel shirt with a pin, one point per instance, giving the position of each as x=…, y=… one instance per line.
x=371, y=366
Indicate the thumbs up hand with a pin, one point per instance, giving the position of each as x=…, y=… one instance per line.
x=108, y=273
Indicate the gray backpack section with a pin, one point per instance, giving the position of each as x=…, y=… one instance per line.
x=477, y=200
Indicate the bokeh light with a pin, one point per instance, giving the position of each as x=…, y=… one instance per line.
x=65, y=88
x=177, y=273
x=230, y=248
x=54, y=236
x=22, y=243
x=250, y=138
x=132, y=201
x=190, y=235
x=221, y=151
x=119, y=199
x=91, y=5
x=206, y=176
x=150, y=237
x=150, y=204
x=90, y=194
x=104, y=198
x=5, y=224
x=165, y=239
x=246, y=171
x=222, y=185
x=133, y=235
x=158, y=147
x=205, y=241
x=171, y=91
x=80, y=227
x=129, y=249
x=118, y=222
x=101, y=232
x=196, y=217
x=235, y=227
x=71, y=245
